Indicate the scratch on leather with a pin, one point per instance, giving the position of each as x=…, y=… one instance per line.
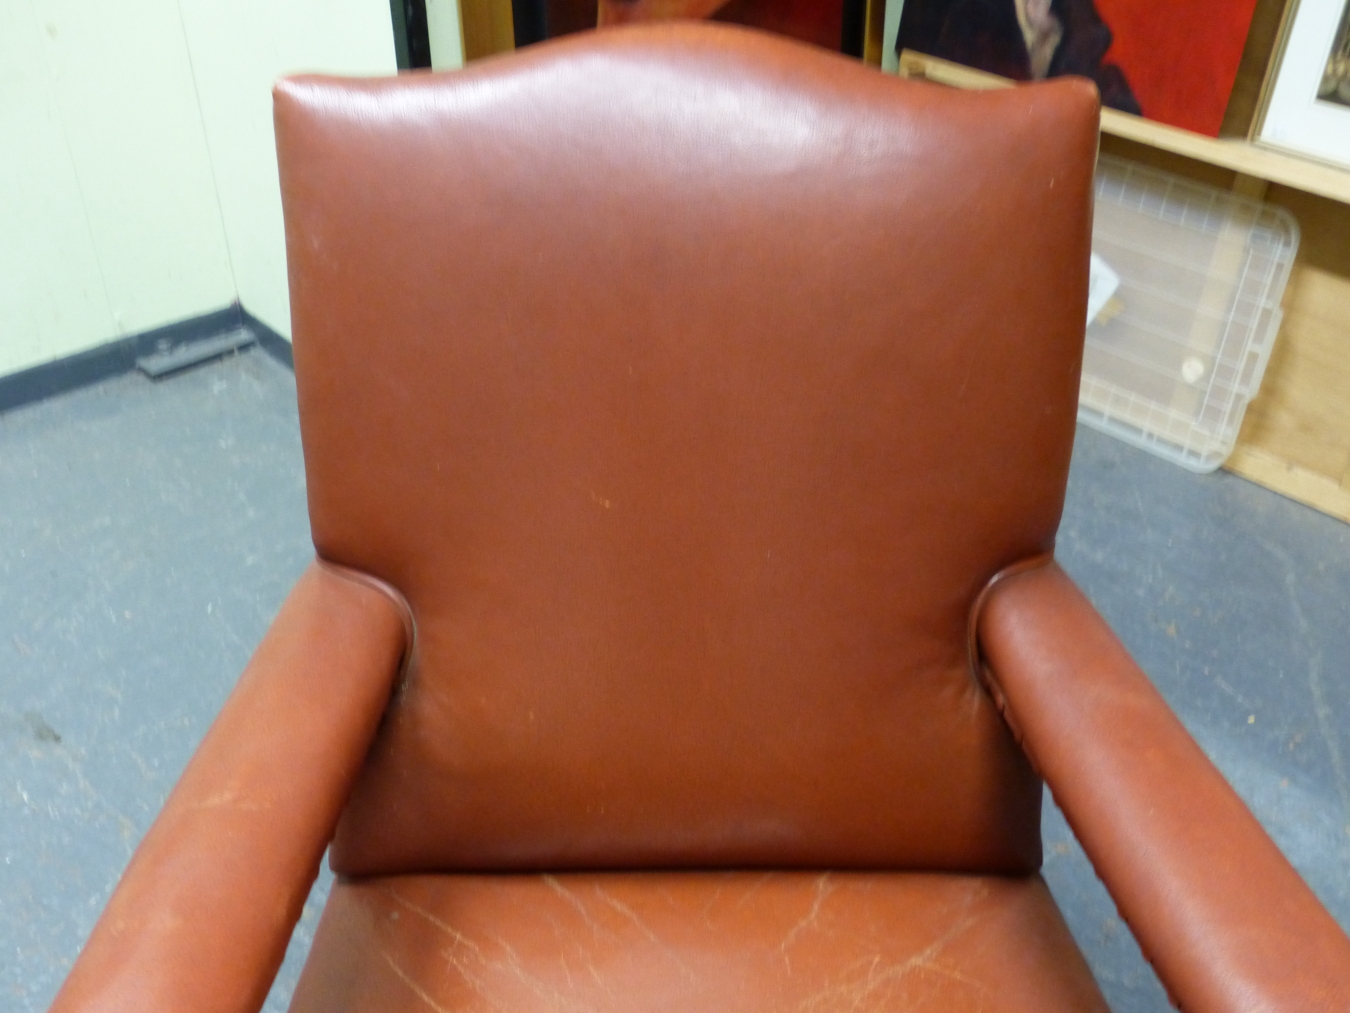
x=754, y=889
x=446, y=927
x=705, y=915
x=418, y=990
x=823, y=889
x=516, y=968
x=645, y=929
x=230, y=798
x=857, y=990
x=474, y=982
x=576, y=903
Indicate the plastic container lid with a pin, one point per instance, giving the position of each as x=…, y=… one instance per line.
x=1189, y=280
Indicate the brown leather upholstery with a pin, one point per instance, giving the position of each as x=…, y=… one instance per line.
x=201, y=919
x=693, y=942
x=1222, y=916
x=689, y=383
x=670, y=398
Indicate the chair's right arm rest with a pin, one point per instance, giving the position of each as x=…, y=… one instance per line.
x=1220, y=913
x=202, y=916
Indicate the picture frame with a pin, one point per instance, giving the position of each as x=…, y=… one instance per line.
x=1307, y=104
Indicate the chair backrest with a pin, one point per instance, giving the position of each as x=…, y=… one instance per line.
x=690, y=383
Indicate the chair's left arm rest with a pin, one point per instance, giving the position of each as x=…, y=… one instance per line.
x=202, y=916
x=1220, y=913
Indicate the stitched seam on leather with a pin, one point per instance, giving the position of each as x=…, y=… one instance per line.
x=400, y=603
x=978, y=671
x=1000, y=699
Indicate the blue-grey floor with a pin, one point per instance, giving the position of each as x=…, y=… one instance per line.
x=148, y=532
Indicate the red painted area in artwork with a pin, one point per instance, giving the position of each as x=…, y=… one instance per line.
x=1181, y=58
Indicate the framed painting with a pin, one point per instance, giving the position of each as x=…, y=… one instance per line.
x=1307, y=107
x=1175, y=63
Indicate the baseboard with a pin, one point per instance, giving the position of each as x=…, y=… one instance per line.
x=119, y=356
x=269, y=340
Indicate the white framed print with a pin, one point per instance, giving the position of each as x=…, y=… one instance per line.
x=1308, y=105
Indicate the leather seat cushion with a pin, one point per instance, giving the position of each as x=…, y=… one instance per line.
x=695, y=943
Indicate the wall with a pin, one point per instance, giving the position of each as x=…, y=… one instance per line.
x=446, y=34
x=108, y=216
x=238, y=49
x=137, y=170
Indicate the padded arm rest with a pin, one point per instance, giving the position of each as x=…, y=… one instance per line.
x=1222, y=916
x=202, y=916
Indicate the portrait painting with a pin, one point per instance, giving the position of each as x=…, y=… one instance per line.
x=1175, y=63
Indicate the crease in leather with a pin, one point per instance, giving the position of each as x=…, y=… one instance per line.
x=408, y=660
x=978, y=670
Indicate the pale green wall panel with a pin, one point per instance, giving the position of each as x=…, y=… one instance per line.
x=238, y=49
x=445, y=29
x=138, y=181
x=122, y=81
x=52, y=297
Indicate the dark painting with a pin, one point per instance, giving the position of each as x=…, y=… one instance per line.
x=833, y=24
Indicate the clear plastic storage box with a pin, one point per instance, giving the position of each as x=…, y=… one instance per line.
x=1189, y=280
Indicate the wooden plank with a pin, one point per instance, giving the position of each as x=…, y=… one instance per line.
x=955, y=75
x=1326, y=230
x=1202, y=172
x=874, y=32
x=1240, y=156
x=1302, y=414
x=1251, y=187
x=1301, y=419
x=488, y=27
x=1307, y=487
x=1237, y=155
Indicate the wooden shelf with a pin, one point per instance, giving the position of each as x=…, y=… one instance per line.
x=1308, y=487
x=1243, y=157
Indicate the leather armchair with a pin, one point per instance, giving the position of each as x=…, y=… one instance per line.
x=687, y=416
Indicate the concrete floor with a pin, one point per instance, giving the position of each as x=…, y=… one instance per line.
x=149, y=531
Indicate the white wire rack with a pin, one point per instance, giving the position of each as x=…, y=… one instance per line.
x=1175, y=356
